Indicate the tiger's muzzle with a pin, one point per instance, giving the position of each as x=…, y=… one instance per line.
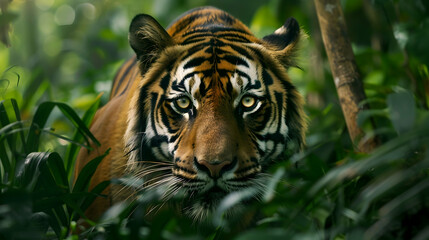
x=215, y=169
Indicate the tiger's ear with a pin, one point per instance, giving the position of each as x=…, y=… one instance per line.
x=283, y=42
x=147, y=38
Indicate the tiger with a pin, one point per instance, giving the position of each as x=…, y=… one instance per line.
x=204, y=107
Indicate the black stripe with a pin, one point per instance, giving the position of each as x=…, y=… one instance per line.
x=195, y=49
x=180, y=87
x=189, y=75
x=229, y=88
x=234, y=37
x=203, y=88
x=188, y=180
x=157, y=140
x=127, y=70
x=243, y=179
x=275, y=137
x=197, y=36
x=241, y=51
x=243, y=74
x=262, y=124
x=165, y=81
x=195, y=62
x=279, y=100
x=235, y=60
x=225, y=17
x=260, y=57
x=130, y=79
x=174, y=137
x=268, y=80
x=165, y=120
x=249, y=85
x=194, y=40
x=153, y=100
x=184, y=169
x=214, y=29
x=185, y=22
x=243, y=170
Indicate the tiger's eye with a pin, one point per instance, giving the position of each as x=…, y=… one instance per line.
x=248, y=101
x=183, y=102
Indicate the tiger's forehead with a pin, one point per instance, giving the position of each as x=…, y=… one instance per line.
x=231, y=75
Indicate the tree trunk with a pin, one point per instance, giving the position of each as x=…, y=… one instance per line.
x=344, y=69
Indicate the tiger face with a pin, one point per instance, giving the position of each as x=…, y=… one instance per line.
x=214, y=109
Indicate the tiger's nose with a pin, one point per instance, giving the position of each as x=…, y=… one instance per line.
x=215, y=169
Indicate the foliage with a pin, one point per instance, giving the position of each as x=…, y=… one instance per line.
x=35, y=186
x=64, y=53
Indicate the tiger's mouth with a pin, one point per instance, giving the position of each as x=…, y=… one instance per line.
x=213, y=195
x=209, y=196
x=203, y=206
x=199, y=206
x=206, y=187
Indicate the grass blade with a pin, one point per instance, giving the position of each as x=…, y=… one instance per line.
x=41, y=116
x=4, y=158
x=77, y=122
x=96, y=191
x=83, y=180
x=5, y=121
x=73, y=149
x=39, y=120
x=5, y=124
x=19, y=121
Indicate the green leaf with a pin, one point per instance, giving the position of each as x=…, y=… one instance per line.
x=5, y=162
x=404, y=202
x=5, y=124
x=39, y=120
x=82, y=200
x=44, y=175
x=386, y=154
x=388, y=182
x=271, y=186
x=29, y=173
x=41, y=116
x=85, y=175
x=73, y=149
x=19, y=121
x=45, y=168
x=364, y=115
x=50, y=132
x=54, y=223
x=230, y=201
x=55, y=166
x=402, y=111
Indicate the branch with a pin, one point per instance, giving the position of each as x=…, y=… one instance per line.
x=344, y=69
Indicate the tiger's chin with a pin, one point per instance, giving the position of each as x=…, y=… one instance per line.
x=216, y=202
x=205, y=209
x=204, y=213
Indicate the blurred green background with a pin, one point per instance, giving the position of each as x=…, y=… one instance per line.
x=69, y=51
